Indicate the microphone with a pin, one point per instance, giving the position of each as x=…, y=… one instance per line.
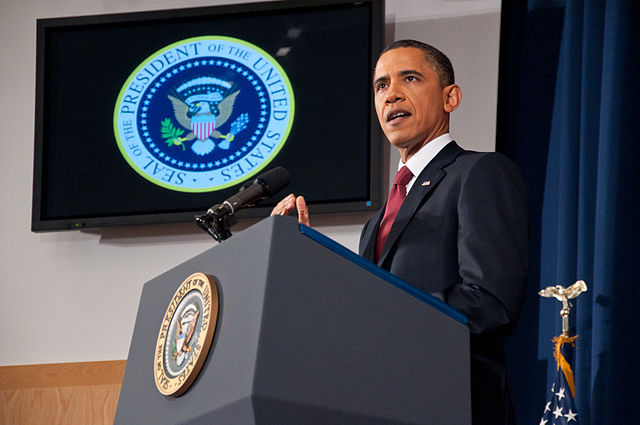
x=219, y=218
x=263, y=187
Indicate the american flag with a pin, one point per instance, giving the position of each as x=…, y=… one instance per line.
x=561, y=407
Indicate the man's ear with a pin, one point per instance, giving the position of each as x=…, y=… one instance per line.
x=452, y=97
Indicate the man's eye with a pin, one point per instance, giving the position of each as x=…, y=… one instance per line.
x=380, y=86
x=411, y=78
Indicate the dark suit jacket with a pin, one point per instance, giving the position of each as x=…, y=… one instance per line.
x=461, y=234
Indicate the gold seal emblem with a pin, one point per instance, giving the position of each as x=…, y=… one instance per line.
x=185, y=335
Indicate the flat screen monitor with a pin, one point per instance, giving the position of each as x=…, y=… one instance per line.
x=154, y=117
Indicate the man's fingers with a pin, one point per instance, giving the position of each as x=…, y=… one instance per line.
x=285, y=206
x=303, y=211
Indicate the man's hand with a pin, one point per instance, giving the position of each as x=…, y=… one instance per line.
x=285, y=206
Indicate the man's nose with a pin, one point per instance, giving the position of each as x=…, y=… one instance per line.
x=394, y=93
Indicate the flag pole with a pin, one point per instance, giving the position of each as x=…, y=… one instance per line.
x=560, y=409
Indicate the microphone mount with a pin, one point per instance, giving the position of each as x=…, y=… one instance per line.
x=217, y=222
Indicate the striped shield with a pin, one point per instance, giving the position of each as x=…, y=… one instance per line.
x=203, y=125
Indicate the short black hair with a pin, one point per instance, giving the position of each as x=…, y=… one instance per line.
x=438, y=60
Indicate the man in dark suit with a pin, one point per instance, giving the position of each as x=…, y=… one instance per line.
x=455, y=225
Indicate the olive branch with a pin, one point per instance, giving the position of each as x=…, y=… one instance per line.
x=174, y=349
x=171, y=133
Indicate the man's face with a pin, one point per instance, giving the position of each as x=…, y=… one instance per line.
x=410, y=104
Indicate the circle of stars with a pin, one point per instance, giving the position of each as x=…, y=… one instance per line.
x=204, y=166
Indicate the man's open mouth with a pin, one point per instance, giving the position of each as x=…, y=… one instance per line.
x=395, y=115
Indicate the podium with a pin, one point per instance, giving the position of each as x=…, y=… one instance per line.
x=307, y=333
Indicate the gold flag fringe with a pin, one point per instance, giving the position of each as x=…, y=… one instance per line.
x=561, y=362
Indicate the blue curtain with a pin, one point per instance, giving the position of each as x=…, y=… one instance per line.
x=569, y=115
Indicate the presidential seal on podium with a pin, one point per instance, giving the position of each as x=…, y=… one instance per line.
x=185, y=334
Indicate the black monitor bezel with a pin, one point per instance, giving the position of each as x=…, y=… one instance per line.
x=39, y=223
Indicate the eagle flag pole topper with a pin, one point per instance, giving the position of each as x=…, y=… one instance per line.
x=563, y=295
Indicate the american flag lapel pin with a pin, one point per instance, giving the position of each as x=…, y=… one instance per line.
x=427, y=183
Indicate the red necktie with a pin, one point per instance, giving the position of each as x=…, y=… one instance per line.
x=397, y=195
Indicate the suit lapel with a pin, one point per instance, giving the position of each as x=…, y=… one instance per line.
x=432, y=174
x=368, y=244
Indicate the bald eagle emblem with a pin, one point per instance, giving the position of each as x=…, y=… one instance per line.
x=186, y=327
x=202, y=106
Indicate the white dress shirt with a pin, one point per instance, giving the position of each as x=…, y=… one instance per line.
x=420, y=159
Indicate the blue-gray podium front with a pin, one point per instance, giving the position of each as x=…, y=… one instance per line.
x=307, y=333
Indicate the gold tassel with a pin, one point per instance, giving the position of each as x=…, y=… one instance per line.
x=561, y=362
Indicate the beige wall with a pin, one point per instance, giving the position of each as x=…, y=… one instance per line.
x=72, y=296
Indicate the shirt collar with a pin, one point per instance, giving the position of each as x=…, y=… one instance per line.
x=423, y=157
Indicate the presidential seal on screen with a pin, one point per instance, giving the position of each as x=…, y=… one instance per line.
x=185, y=335
x=203, y=114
